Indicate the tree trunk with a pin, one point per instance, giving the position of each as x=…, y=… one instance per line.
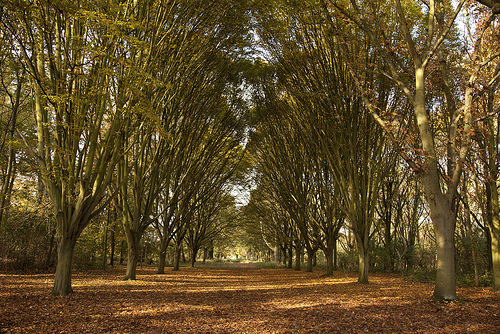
x=194, y=253
x=205, y=254
x=310, y=258
x=443, y=219
x=363, y=245
x=122, y=247
x=364, y=262
x=133, y=241
x=48, y=261
x=105, y=247
x=162, y=257
x=495, y=252
x=65, y=251
x=177, y=257
x=112, y=248
x=114, y=217
x=329, y=254
x=161, y=262
x=297, y=256
x=335, y=257
x=290, y=256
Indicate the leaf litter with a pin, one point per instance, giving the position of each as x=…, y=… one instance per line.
x=240, y=300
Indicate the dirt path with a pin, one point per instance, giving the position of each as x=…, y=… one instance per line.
x=239, y=300
x=245, y=265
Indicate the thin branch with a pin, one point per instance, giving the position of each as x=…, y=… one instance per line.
x=443, y=36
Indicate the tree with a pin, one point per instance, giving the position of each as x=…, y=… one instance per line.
x=211, y=218
x=323, y=103
x=423, y=44
x=68, y=49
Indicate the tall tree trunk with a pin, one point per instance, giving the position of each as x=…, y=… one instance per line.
x=329, y=254
x=494, y=205
x=48, y=261
x=443, y=219
x=114, y=217
x=310, y=258
x=65, y=251
x=177, y=257
x=290, y=256
x=105, y=246
x=297, y=256
x=494, y=227
x=162, y=257
x=495, y=252
x=122, y=247
x=363, y=259
x=335, y=257
x=112, y=248
x=133, y=241
x=194, y=254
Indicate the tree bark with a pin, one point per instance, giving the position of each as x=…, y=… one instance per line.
x=297, y=256
x=132, y=255
x=329, y=254
x=290, y=256
x=310, y=259
x=177, y=257
x=495, y=252
x=62, y=282
x=48, y=261
x=443, y=219
x=194, y=254
x=335, y=257
x=105, y=247
x=112, y=248
x=162, y=257
x=363, y=260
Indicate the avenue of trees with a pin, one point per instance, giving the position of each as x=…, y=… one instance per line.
x=367, y=131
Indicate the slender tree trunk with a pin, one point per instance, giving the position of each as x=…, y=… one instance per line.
x=335, y=257
x=105, y=247
x=329, y=254
x=495, y=252
x=474, y=256
x=177, y=257
x=494, y=227
x=297, y=256
x=48, y=261
x=114, y=217
x=65, y=251
x=122, y=247
x=112, y=248
x=290, y=256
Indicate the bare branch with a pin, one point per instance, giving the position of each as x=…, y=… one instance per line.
x=444, y=34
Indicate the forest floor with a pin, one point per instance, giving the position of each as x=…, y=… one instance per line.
x=242, y=299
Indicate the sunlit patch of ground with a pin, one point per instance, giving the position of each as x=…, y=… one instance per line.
x=239, y=300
